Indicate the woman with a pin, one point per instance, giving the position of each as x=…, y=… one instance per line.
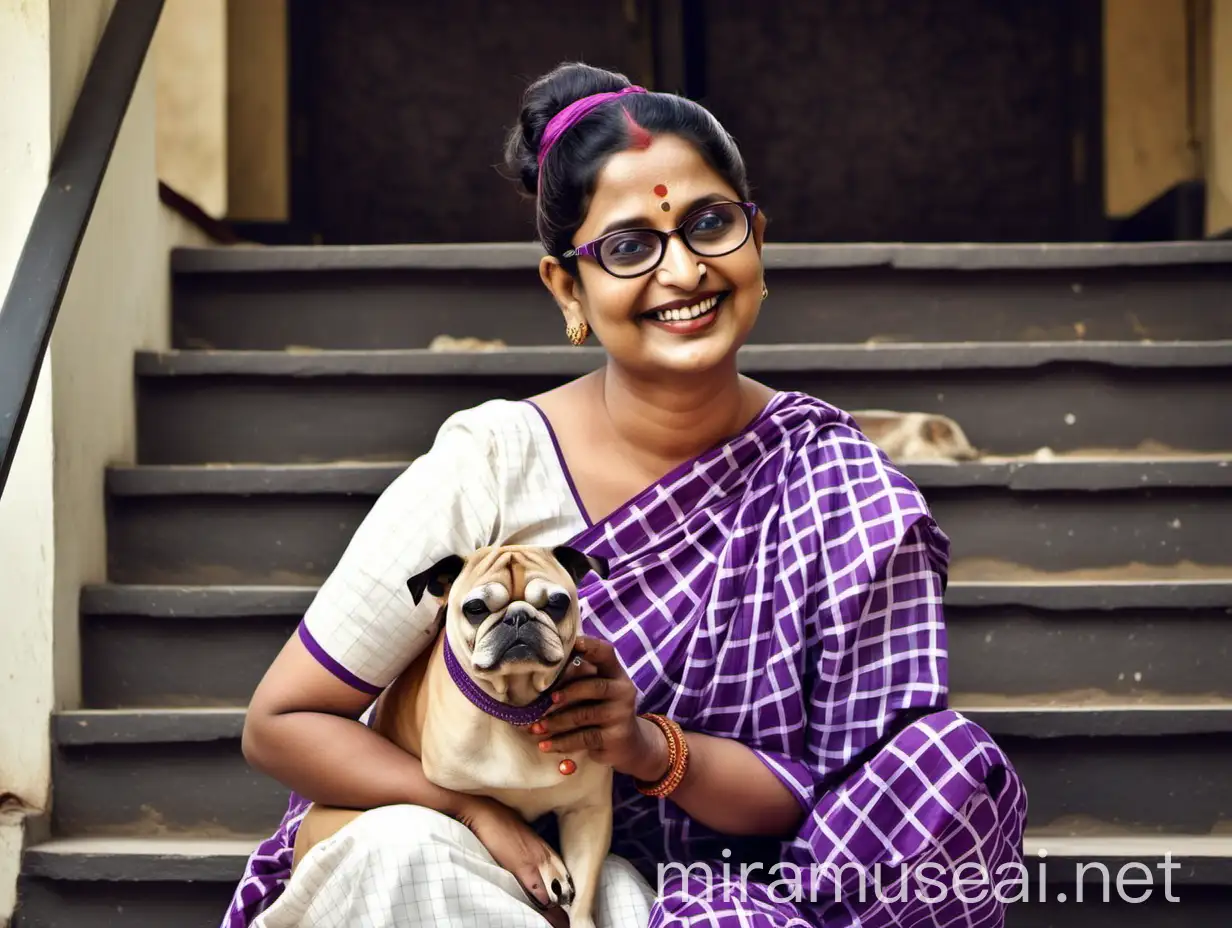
x=775, y=590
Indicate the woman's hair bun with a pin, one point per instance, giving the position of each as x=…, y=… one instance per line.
x=547, y=96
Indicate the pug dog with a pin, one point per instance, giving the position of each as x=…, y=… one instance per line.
x=508, y=621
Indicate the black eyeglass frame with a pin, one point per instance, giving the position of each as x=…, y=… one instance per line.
x=591, y=249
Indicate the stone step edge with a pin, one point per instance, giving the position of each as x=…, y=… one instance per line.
x=92, y=727
x=526, y=255
x=569, y=361
x=207, y=602
x=1088, y=475
x=1203, y=859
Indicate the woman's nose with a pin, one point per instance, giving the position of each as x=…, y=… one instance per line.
x=680, y=267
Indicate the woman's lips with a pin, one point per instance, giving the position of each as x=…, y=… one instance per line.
x=689, y=326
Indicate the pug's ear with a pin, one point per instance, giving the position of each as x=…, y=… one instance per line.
x=436, y=579
x=579, y=564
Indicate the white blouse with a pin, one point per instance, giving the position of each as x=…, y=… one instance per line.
x=494, y=475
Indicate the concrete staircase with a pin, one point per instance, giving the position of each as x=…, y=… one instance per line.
x=1090, y=607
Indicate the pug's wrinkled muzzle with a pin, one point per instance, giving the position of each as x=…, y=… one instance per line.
x=519, y=637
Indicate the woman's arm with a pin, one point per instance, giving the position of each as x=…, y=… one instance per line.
x=726, y=787
x=302, y=730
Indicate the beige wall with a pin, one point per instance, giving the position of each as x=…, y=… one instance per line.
x=76, y=27
x=222, y=105
x=1148, y=123
x=190, y=56
x=1219, y=148
x=26, y=526
x=257, y=145
x=82, y=419
x=116, y=302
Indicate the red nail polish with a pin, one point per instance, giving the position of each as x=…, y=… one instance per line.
x=545, y=745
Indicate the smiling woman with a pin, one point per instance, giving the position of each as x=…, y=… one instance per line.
x=765, y=659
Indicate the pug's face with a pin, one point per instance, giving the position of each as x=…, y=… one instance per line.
x=512, y=613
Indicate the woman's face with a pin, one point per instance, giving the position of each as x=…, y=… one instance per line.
x=632, y=189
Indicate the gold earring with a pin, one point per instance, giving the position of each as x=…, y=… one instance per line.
x=577, y=333
x=764, y=292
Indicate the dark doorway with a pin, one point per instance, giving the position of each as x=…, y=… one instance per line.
x=861, y=120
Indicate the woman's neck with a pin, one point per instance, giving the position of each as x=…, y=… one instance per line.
x=667, y=422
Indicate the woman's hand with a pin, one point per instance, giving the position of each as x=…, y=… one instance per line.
x=515, y=846
x=596, y=712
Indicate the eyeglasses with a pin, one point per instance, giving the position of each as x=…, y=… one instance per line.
x=710, y=231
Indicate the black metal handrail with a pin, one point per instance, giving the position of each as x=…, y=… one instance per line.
x=47, y=258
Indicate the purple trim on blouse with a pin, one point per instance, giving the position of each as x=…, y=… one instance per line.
x=333, y=666
x=564, y=467
x=670, y=476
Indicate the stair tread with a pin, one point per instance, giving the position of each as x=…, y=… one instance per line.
x=163, y=846
x=223, y=859
x=1129, y=845
x=1032, y=717
x=556, y=359
x=187, y=601
x=504, y=255
x=1059, y=845
x=1022, y=475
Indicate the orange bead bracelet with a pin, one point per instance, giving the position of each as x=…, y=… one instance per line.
x=677, y=758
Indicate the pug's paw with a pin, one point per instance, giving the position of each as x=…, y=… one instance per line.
x=557, y=881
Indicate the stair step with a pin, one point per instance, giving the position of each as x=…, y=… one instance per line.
x=149, y=646
x=296, y=407
x=1205, y=859
x=1095, y=474
x=138, y=772
x=140, y=859
x=85, y=727
x=126, y=883
x=290, y=524
x=402, y=296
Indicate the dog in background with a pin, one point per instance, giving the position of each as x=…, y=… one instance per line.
x=915, y=436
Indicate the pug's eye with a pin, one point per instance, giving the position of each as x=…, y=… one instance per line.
x=475, y=609
x=557, y=605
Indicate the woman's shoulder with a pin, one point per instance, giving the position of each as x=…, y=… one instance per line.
x=858, y=486
x=499, y=430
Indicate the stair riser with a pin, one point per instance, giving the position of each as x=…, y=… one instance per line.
x=67, y=904
x=139, y=661
x=1016, y=653
x=406, y=309
x=105, y=904
x=298, y=539
x=150, y=788
x=1199, y=907
x=203, y=788
x=205, y=419
x=146, y=662
x=48, y=904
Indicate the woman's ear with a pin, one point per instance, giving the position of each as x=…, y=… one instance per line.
x=563, y=286
x=759, y=229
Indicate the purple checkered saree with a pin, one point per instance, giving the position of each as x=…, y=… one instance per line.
x=784, y=589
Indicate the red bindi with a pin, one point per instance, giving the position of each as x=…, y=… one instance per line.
x=660, y=190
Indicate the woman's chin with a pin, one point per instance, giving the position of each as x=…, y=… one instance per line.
x=695, y=356
x=703, y=351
